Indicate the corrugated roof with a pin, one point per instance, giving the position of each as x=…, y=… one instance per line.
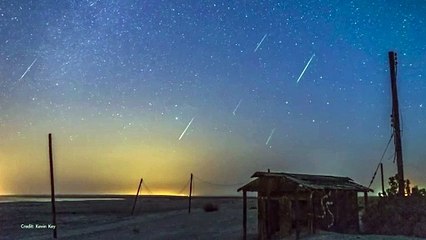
x=315, y=182
x=252, y=186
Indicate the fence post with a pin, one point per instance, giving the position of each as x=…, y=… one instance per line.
x=52, y=187
x=190, y=194
x=136, y=197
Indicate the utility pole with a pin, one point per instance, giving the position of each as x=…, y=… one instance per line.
x=136, y=196
x=383, y=179
x=190, y=194
x=395, y=124
x=52, y=188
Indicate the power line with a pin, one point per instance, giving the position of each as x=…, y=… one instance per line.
x=381, y=159
x=392, y=156
x=146, y=187
x=184, y=187
x=218, y=184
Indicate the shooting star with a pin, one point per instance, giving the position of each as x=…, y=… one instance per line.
x=260, y=43
x=93, y=3
x=270, y=136
x=28, y=69
x=236, y=108
x=307, y=65
x=184, y=131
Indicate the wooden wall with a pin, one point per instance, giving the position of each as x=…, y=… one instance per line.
x=277, y=211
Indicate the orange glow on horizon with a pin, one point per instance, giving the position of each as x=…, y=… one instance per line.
x=153, y=193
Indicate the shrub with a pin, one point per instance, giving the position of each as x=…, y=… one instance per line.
x=395, y=215
x=418, y=192
x=420, y=228
x=210, y=207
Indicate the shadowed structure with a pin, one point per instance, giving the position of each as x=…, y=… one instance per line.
x=287, y=201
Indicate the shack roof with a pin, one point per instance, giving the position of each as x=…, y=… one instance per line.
x=313, y=182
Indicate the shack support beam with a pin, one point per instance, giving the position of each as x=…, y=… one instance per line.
x=244, y=215
x=365, y=200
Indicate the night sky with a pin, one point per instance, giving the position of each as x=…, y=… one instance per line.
x=295, y=86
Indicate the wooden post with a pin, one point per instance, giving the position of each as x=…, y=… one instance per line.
x=244, y=214
x=297, y=215
x=365, y=200
x=190, y=194
x=395, y=124
x=136, y=197
x=267, y=216
x=266, y=204
x=312, y=213
x=383, y=181
x=336, y=198
x=52, y=188
x=359, y=219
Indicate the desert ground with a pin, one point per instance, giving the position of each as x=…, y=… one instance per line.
x=154, y=218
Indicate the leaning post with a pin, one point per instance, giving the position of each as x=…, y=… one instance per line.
x=52, y=188
x=136, y=197
x=190, y=194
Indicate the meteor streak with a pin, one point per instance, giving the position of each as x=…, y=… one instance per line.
x=260, y=43
x=307, y=65
x=184, y=131
x=28, y=69
x=270, y=136
x=238, y=105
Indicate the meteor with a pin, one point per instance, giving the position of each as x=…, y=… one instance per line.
x=184, y=131
x=260, y=43
x=270, y=136
x=28, y=69
x=238, y=105
x=307, y=65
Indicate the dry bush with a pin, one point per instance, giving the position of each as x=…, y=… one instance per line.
x=397, y=216
x=420, y=228
x=135, y=230
x=210, y=207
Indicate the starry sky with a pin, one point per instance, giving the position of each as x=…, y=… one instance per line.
x=220, y=89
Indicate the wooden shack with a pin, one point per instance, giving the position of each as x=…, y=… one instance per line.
x=289, y=202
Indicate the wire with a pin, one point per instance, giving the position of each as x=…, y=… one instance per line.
x=146, y=187
x=387, y=146
x=374, y=175
x=218, y=184
x=184, y=187
x=381, y=159
x=392, y=156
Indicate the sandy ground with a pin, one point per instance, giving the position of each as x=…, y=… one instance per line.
x=155, y=218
